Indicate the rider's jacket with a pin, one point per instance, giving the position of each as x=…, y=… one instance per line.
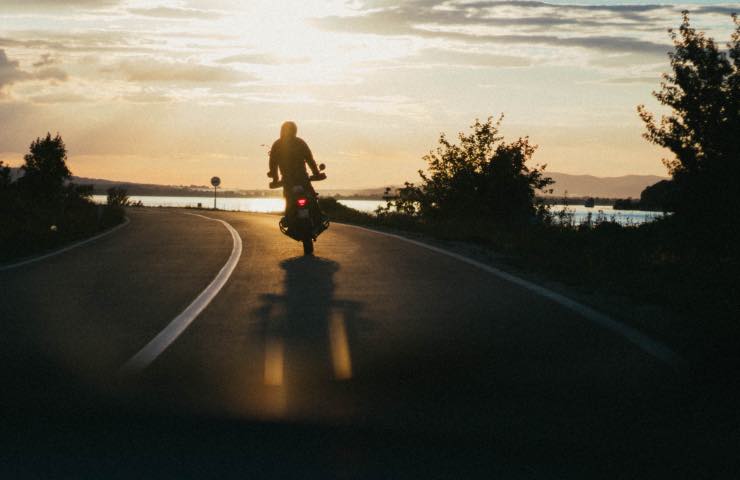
x=291, y=155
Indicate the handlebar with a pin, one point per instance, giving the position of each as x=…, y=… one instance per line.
x=312, y=178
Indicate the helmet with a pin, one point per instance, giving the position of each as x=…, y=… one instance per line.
x=288, y=130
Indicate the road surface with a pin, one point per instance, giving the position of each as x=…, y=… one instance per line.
x=371, y=332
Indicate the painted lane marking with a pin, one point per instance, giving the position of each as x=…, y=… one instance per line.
x=164, y=339
x=28, y=261
x=637, y=338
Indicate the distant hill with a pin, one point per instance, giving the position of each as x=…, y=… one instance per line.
x=100, y=186
x=576, y=186
x=604, y=187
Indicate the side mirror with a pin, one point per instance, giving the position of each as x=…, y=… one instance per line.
x=322, y=167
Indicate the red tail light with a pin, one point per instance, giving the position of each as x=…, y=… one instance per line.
x=302, y=202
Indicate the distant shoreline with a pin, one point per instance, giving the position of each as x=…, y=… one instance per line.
x=576, y=188
x=230, y=194
x=550, y=200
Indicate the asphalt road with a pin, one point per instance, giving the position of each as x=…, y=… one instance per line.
x=371, y=333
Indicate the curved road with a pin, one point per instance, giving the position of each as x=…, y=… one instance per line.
x=371, y=332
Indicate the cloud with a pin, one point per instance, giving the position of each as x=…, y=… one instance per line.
x=52, y=73
x=507, y=22
x=438, y=56
x=50, y=98
x=150, y=71
x=55, y=5
x=81, y=41
x=608, y=44
x=175, y=13
x=501, y=13
x=145, y=96
x=627, y=8
x=385, y=105
x=619, y=60
x=262, y=59
x=10, y=42
x=10, y=72
x=45, y=60
x=620, y=8
x=716, y=9
x=653, y=80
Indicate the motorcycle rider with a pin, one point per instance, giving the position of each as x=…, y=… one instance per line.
x=289, y=156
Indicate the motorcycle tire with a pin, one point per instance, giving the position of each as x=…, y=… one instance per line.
x=308, y=245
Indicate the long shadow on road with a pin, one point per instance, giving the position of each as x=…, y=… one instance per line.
x=307, y=339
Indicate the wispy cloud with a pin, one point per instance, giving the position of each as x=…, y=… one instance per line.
x=717, y=9
x=176, y=13
x=41, y=6
x=81, y=42
x=146, y=70
x=262, y=59
x=51, y=98
x=434, y=57
x=147, y=96
x=652, y=80
x=601, y=28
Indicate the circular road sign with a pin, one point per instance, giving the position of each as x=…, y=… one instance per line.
x=215, y=181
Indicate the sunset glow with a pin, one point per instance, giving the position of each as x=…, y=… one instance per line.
x=175, y=92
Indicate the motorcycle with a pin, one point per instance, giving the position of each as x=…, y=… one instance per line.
x=303, y=220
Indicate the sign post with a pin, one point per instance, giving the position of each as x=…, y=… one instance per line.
x=215, y=181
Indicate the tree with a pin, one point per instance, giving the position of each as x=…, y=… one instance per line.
x=482, y=179
x=703, y=130
x=45, y=170
x=43, y=209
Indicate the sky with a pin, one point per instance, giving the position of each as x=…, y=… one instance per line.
x=174, y=92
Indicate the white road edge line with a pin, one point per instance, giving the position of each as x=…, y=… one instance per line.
x=639, y=339
x=164, y=339
x=28, y=261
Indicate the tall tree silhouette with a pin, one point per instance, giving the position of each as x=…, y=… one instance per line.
x=45, y=170
x=703, y=129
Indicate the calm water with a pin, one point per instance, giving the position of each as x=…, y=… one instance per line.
x=625, y=217
x=256, y=204
x=268, y=205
